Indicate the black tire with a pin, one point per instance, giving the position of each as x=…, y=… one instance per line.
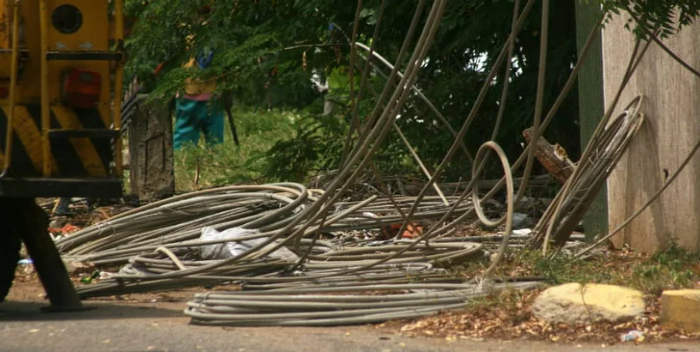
x=9, y=256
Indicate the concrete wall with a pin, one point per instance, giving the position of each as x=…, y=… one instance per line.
x=671, y=129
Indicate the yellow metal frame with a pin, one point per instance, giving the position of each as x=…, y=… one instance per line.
x=13, y=85
x=48, y=91
x=118, y=83
x=45, y=99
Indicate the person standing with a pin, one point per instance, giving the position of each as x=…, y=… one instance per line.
x=196, y=109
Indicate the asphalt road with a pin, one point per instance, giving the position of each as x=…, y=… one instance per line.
x=155, y=322
x=132, y=327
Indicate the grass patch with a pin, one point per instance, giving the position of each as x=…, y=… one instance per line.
x=508, y=314
x=672, y=268
x=198, y=167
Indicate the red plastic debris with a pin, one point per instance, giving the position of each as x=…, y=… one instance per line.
x=413, y=230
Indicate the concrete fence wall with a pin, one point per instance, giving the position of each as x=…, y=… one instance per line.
x=672, y=128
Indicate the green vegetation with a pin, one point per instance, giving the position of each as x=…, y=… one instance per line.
x=267, y=52
x=671, y=268
x=667, y=16
x=258, y=130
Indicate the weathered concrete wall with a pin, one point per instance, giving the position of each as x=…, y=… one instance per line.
x=671, y=129
x=151, y=162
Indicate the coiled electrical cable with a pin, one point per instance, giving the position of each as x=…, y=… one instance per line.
x=159, y=242
x=360, y=304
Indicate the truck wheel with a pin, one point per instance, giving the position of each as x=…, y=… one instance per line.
x=9, y=256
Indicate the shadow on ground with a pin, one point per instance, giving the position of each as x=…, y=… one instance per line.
x=31, y=311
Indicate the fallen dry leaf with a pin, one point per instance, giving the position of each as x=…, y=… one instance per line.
x=508, y=316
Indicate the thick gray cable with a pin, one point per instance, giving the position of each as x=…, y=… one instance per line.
x=510, y=199
x=420, y=95
x=635, y=59
x=539, y=100
x=646, y=205
x=467, y=123
x=355, y=105
x=383, y=124
x=548, y=119
x=371, y=119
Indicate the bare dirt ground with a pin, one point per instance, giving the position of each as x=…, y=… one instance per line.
x=154, y=322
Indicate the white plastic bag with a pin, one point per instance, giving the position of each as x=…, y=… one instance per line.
x=232, y=249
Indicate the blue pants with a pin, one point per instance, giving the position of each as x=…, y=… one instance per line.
x=194, y=117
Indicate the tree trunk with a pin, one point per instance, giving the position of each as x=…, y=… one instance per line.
x=151, y=152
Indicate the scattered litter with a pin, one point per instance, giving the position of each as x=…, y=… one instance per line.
x=633, y=335
x=522, y=232
x=105, y=275
x=58, y=233
x=57, y=224
x=68, y=228
x=75, y=267
x=232, y=249
x=89, y=279
x=412, y=231
x=521, y=220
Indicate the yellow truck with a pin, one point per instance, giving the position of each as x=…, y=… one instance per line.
x=61, y=77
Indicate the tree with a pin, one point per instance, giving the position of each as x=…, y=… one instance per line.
x=267, y=52
x=666, y=16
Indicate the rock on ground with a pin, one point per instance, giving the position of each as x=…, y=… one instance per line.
x=573, y=304
x=680, y=309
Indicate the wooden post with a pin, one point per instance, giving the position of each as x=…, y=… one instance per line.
x=552, y=157
x=591, y=105
x=670, y=131
x=151, y=165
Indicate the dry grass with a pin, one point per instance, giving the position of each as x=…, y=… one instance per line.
x=508, y=315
